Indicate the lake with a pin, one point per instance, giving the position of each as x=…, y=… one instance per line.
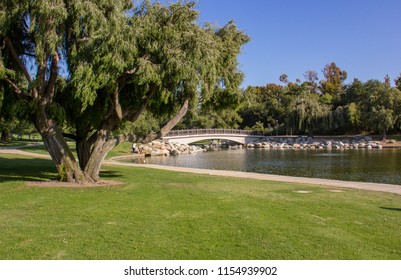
x=380, y=166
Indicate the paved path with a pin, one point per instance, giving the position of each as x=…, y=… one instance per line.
x=16, y=151
x=396, y=189
x=249, y=175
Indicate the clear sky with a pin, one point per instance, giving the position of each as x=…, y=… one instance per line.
x=362, y=37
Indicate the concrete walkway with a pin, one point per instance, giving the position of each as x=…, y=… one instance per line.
x=396, y=189
x=16, y=151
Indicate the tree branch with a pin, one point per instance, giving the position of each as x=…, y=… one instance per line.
x=170, y=124
x=130, y=72
x=175, y=120
x=132, y=117
x=71, y=136
x=17, y=90
x=29, y=54
x=53, y=77
x=14, y=54
x=20, y=64
x=41, y=76
x=116, y=101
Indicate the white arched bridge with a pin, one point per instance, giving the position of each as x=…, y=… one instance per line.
x=189, y=136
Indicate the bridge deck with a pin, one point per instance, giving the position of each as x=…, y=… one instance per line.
x=194, y=135
x=212, y=131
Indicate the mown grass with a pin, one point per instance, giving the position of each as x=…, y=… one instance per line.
x=172, y=215
x=124, y=148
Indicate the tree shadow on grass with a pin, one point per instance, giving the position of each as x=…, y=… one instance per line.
x=26, y=169
x=109, y=174
x=34, y=169
x=391, y=209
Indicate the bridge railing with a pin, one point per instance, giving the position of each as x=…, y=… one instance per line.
x=212, y=131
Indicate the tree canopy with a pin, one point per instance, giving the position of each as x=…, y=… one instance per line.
x=328, y=106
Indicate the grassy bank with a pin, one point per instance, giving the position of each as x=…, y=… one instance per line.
x=169, y=215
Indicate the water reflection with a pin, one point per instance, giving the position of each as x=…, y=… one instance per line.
x=382, y=166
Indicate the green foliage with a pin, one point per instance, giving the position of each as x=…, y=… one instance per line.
x=25, y=109
x=146, y=124
x=162, y=52
x=62, y=173
x=57, y=113
x=358, y=107
x=326, y=99
x=398, y=82
x=354, y=114
x=263, y=104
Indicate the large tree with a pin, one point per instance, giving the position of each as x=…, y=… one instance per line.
x=333, y=82
x=96, y=64
x=380, y=106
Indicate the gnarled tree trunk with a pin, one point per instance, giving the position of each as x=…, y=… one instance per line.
x=67, y=167
x=101, y=148
x=96, y=151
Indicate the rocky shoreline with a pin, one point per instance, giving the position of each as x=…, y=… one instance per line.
x=166, y=148
x=316, y=143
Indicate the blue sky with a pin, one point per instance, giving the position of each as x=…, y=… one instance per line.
x=362, y=37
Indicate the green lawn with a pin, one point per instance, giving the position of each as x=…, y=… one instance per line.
x=170, y=215
x=124, y=148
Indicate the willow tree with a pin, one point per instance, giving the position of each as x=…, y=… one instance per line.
x=99, y=63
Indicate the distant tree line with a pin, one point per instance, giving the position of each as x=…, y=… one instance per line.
x=327, y=106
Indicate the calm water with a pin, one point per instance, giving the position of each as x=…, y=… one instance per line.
x=381, y=166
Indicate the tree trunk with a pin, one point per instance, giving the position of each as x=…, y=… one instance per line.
x=384, y=135
x=67, y=167
x=101, y=148
x=92, y=152
x=5, y=136
x=83, y=147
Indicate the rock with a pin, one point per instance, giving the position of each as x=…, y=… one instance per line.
x=175, y=152
x=164, y=152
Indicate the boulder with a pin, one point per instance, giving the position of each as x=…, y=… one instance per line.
x=175, y=152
